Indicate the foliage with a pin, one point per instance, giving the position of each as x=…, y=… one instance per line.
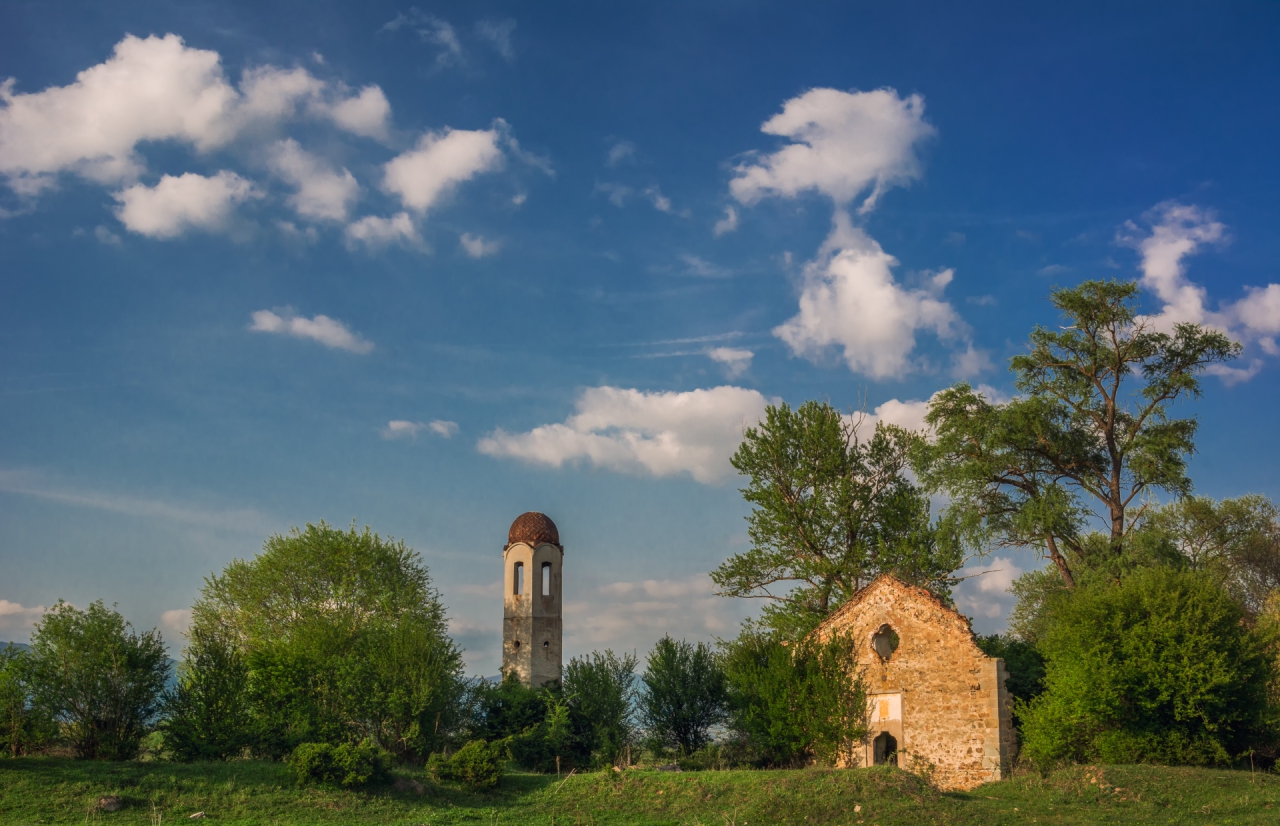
x=1237, y=541
x=795, y=702
x=1158, y=668
x=830, y=511
x=351, y=766
x=344, y=638
x=1090, y=433
x=477, y=766
x=1022, y=662
x=99, y=679
x=207, y=715
x=685, y=695
x=24, y=728
x=599, y=690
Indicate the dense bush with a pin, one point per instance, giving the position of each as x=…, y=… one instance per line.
x=477, y=765
x=99, y=679
x=599, y=691
x=207, y=716
x=1022, y=662
x=796, y=702
x=685, y=695
x=343, y=639
x=24, y=727
x=1159, y=668
x=347, y=765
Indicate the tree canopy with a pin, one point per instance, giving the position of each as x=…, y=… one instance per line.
x=831, y=510
x=1090, y=435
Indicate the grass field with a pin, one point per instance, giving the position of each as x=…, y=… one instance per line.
x=47, y=791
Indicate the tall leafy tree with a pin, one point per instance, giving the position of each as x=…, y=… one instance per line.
x=1091, y=434
x=100, y=679
x=23, y=726
x=207, y=715
x=685, y=695
x=599, y=690
x=831, y=510
x=344, y=638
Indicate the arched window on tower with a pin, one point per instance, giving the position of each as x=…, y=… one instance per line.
x=518, y=579
x=546, y=579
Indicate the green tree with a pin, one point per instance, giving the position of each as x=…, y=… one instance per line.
x=1024, y=664
x=1091, y=433
x=685, y=695
x=1158, y=668
x=207, y=715
x=345, y=639
x=100, y=679
x=599, y=690
x=795, y=702
x=23, y=728
x=830, y=512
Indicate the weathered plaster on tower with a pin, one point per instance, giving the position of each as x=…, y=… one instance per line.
x=532, y=624
x=937, y=695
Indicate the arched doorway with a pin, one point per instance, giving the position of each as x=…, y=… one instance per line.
x=885, y=749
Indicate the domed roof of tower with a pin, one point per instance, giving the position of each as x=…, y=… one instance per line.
x=533, y=529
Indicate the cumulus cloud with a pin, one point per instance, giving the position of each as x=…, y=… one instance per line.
x=177, y=204
x=443, y=428
x=736, y=360
x=176, y=622
x=632, y=615
x=1176, y=232
x=323, y=193
x=631, y=431
x=17, y=620
x=158, y=89
x=850, y=300
x=477, y=247
x=439, y=162
x=842, y=143
x=985, y=591
x=728, y=223
x=374, y=231
x=327, y=331
x=402, y=429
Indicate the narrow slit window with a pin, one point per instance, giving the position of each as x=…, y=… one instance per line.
x=546, y=579
x=518, y=579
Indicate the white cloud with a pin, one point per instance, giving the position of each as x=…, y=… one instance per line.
x=477, y=247
x=439, y=162
x=106, y=236
x=323, y=193
x=704, y=268
x=619, y=152
x=632, y=616
x=443, y=428
x=498, y=34
x=662, y=203
x=970, y=362
x=327, y=331
x=728, y=223
x=850, y=300
x=1178, y=231
x=736, y=361
x=17, y=620
x=176, y=622
x=402, y=429
x=177, y=204
x=842, y=144
x=367, y=113
x=618, y=193
x=907, y=415
x=374, y=231
x=985, y=592
x=158, y=89
x=631, y=431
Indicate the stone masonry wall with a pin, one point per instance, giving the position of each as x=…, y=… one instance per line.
x=955, y=712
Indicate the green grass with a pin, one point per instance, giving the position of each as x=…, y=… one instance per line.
x=46, y=791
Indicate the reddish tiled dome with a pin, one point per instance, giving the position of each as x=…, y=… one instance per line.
x=533, y=529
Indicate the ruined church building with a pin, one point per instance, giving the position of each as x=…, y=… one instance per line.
x=934, y=699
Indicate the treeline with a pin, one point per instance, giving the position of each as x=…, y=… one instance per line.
x=1152, y=634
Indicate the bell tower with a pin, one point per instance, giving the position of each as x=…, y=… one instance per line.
x=532, y=627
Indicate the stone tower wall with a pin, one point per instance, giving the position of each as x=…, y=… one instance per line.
x=952, y=709
x=532, y=623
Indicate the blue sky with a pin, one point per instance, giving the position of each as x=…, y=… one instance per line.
x=427, y=267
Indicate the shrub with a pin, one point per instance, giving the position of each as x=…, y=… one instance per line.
x=208, y=714
x=346, y=765
x=598, y=691
x=102, y=681
x=797, y=702
x=1023, y=663
x=477, y=765
x=684, y=695
x=23, y=726
x=1157, y=669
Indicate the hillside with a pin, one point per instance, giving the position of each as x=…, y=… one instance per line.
x=51, y=791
